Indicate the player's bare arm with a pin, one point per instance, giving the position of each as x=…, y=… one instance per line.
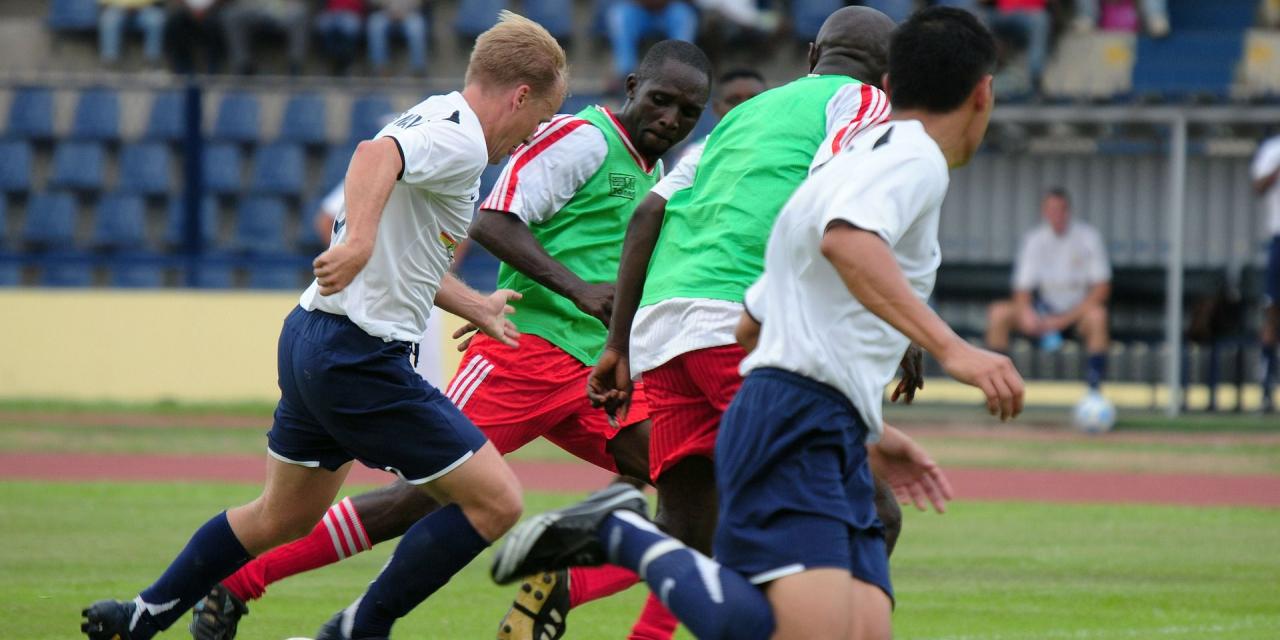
x=508, y=238
x=868, y=268
x=486, y=313
x=747, y=333
x=610, y=382
x=370, y=178
x=910, y=472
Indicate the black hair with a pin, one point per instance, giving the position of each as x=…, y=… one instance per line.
x=1058, y=192
x=937, y=57
x=738, y=74
x=678, y=50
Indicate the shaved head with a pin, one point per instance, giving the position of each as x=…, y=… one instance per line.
x=853, y=41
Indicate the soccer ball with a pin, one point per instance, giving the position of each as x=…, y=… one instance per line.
x=1094, y=414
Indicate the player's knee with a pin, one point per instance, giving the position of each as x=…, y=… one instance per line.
x=497, y=513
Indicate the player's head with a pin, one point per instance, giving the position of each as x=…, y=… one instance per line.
x=940, y=63
x=854, y=42
x=1055, y=208
x=521, y=72
x=665, y=96
x=734, y=88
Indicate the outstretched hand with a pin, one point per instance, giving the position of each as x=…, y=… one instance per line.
x=914, y=477
x=493, y=320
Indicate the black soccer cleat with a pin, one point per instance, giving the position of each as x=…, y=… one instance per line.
x=108, y=620
x=540, y=609
x=217, y=615
x=563, y=538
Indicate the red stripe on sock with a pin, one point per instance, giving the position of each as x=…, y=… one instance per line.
x=655, y=623
x=592, y=583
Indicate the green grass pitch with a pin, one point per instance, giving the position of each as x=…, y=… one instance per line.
x=999, y=571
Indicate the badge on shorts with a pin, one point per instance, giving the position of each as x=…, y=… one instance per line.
x=622, y=185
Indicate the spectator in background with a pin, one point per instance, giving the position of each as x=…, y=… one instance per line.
x=192, y=29
x=1061, y=282
x=1120, y=15
x=404, y=17
x=244, y=18
x=340, y=24
x=117, y=15
x=1030, y=20
x=1266, y=183
x=630, y=21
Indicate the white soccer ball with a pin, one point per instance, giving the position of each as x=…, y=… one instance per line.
x=1094, y=414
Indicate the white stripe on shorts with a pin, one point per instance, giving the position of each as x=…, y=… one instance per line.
x=484, y=373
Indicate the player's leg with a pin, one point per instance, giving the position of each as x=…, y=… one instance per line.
x=1093, y=327
x=812, y=605
x=871, y=612
x=1001, y=319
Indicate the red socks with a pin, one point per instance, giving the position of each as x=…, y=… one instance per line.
x=655, y=623
x=337, y=536
x=592, y=583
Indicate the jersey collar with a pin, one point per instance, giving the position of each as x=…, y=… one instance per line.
x=626, y=139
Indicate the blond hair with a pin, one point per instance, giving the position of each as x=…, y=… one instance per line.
x=517, y=51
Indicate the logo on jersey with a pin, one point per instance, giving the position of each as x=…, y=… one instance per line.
x=338, y=225
x=450, y=244
x=622, y=185
x=409, y=121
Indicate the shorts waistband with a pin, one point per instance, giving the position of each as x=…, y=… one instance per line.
x=791, y=377
x=317, y=318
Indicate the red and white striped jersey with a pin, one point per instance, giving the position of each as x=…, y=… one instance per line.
x=545, y=174
x=851, y=111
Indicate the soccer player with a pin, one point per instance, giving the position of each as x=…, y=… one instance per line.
x=556, y=218
x=348, y=389
x=851, y=261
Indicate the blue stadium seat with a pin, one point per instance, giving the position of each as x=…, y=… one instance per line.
x=808, y=15
x=10, y=274
x=335, y=165
x=78, y=166
x=31, y=114
x=260, y=226
x=475, y=16
x=367, y=114
x=556, y=16
x=1220, y=14
x=136, y=276
x=97, y=116
x=278, y=170
x=215, y=276
x=274, y=277
x=221, y=168
x=167, y=120
x=1187, y=63
x=15, y=167
x=237, y=119
x=144, y=169
x=208, y=214
x=304, y=119
x=4, y=224
x=73, y=15
x=51, y=221
x=120, y=223
x=66, y=274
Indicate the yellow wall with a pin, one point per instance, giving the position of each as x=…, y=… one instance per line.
x=146, y=345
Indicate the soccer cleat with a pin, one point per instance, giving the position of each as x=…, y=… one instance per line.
x=539, y=610
x=339, y=626
x=563, y=538
x=217, y=615
x=108, y=620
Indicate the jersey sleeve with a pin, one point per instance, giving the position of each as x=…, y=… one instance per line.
x=893, y=194
x=438, y=154
x=1266, y=160
x=545, y=174
x=852, y=110
x=681, y=177
x=1025, y=277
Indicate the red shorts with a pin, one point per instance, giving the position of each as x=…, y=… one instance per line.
x=516, y=395
x=687, y=396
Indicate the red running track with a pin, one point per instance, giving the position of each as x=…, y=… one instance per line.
x=969, y=484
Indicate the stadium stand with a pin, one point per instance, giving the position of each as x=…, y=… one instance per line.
x=260, y=226
x=15, y=166
x=207, y=221
x=97, y=116
x=50, y=222
x=238, y=118
x=555, y=15
x=479, y=15
x=31, y=114
x=367, y=114
x=120, y=223
x=167, y=121
x=222, y=169
x=78, y=166
x=66, y=274
x=136, y=275
x=73, y=15
x=304, y=120
x=277, y=170
x=144, y=169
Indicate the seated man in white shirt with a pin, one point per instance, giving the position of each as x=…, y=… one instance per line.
x=1061, y=282
x=1265, y=173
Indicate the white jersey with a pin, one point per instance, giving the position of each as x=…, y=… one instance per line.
x=681, y=176
x=1265, y=162
x=1060, y=269
x=891, y=182
x=677, y=326
x=425, y=218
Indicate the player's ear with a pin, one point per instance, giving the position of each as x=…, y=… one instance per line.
x=521, y=97
x=984, y=96
x=631, y=83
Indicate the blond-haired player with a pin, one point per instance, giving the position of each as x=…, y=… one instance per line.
x=348, y=389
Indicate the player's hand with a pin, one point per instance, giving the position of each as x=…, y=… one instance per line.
x=991, y=372
x=492, y=319
x=595, y=300
x=910, y=472
x=338, y=266
x=609, y=385
x=912, y=375
x=468, y=330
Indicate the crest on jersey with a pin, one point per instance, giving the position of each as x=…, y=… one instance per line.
x=622, y=185
x=449, y=242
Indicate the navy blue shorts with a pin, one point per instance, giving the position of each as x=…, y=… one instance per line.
x=1273, y=271
x=796, y=491
x=345, y=394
